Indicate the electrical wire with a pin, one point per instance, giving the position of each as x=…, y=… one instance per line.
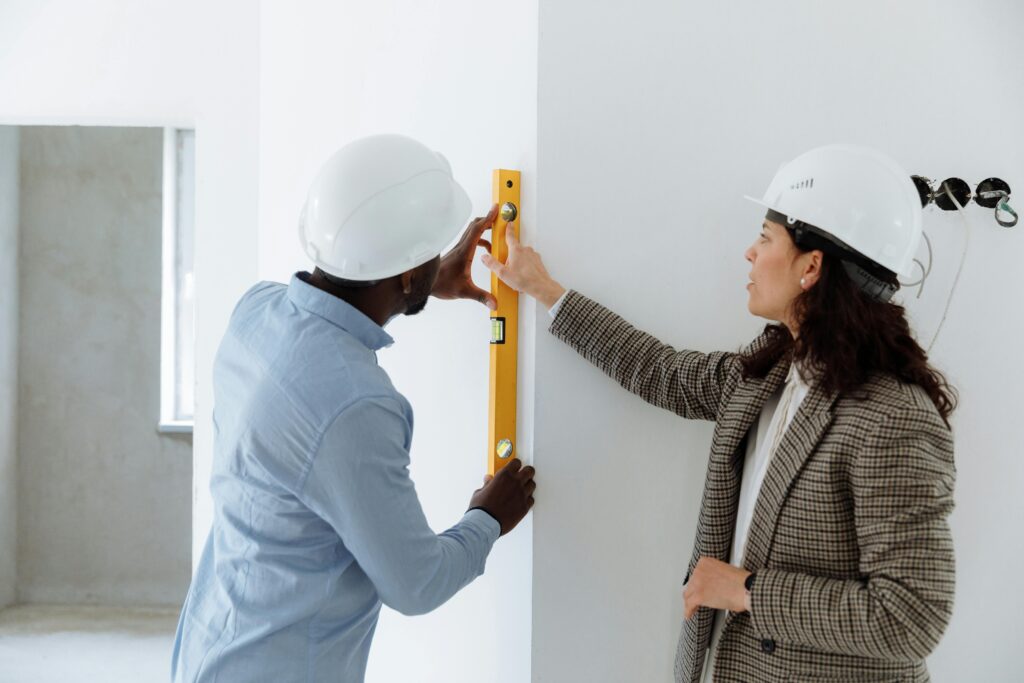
x=925, y=272
x=959, y=270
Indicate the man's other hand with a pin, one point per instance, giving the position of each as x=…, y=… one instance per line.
x=508, y=495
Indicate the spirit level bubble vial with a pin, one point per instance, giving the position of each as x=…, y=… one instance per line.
x=501, y=432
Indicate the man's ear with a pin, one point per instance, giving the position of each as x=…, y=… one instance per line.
x=406, y=281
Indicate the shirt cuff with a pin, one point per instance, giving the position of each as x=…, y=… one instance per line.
x=481, y=519
x=553, y=311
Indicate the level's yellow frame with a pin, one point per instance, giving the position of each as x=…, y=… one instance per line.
x=504, y=354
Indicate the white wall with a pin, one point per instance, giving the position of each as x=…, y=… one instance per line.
x=461, y=76
x=156, y=62
x=9, y=156
x=104, y=505
x=654, y=119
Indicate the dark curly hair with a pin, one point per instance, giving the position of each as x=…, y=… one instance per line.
x=845, y=336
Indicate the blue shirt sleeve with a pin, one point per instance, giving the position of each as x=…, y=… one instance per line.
x=359, y=483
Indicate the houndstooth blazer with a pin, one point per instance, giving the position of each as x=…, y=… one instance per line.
x=849, y=538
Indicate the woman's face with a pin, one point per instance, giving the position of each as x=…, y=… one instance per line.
x=776, y=266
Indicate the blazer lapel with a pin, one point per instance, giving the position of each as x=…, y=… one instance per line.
x=743, y=409
x=717, y=520
x=799, y=441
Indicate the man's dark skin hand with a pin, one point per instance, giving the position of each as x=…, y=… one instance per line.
x=507, y=496
x=454, y=280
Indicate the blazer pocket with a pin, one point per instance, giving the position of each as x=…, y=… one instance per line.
x=845, y=679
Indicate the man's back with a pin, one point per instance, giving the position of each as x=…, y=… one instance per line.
x=314, y=511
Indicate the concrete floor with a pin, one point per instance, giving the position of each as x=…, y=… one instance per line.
x=84, y=644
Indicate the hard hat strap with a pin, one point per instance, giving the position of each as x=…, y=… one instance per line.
x=870, y=277
x=873, y=286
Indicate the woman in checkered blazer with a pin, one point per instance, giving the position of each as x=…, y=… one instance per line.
x=823, y=552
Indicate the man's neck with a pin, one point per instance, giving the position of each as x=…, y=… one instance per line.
x=370, y=301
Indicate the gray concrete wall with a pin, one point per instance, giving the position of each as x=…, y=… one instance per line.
x=8, y=358
x=104, y=501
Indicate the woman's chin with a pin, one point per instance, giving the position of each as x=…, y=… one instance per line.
x=761, y=313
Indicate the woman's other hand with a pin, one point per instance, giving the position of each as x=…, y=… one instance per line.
x=715, y=584
x=524, y=271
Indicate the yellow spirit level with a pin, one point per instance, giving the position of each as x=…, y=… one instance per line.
x=501, y=433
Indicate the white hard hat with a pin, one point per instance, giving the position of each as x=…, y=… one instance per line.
x=380, y=206
x=860, y=198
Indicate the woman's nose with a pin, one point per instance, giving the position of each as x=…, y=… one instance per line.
x=749, y=254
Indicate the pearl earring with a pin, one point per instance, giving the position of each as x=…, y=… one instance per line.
x=803, y=282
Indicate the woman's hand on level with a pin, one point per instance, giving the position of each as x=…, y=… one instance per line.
x=524, y=271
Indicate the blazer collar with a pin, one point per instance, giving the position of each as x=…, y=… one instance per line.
x=799, y=441
x=745, y=406
x=722, y=490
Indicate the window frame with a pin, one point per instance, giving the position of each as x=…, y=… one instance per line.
x=177, y=364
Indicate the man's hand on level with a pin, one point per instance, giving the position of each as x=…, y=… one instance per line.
x=454, y=280
x=507, y=496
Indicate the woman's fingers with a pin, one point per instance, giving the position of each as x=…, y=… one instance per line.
x=690, y=601
x=511, y=240
x=493, y=264
x=522, y=270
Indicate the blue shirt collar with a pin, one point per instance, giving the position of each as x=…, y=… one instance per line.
x=337, y=312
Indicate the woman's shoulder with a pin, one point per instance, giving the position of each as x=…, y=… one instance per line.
x=887, y=398
x=890, y=418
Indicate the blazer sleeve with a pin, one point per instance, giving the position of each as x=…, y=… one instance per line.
x=688, y=383
x=902, y=485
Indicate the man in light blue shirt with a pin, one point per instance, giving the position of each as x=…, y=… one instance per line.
x=316, y=520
